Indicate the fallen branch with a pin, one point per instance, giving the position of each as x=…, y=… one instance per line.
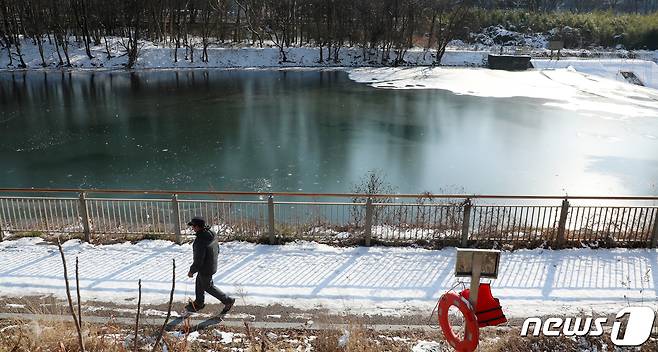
x=171, y=300
x=68, y=296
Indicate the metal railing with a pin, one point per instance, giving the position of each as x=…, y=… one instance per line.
x=464, y=220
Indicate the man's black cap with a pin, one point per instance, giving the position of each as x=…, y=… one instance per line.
x=197, y=220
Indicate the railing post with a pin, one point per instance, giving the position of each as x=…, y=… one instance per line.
x=270, y=219
x=84, y=213
x=2, y=232
x=561, y=227
x=175, y=213
x=654, y=235
x=466, y=222
x=368, y=226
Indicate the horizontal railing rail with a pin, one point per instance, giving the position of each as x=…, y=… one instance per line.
x=435, y=219
x=323, y=195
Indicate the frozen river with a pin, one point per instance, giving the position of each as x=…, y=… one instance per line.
x=310, y=131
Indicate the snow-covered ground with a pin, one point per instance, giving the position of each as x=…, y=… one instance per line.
x=376, y=280
x=590, y=86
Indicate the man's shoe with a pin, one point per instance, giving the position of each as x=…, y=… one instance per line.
x=194, y=307
x=228, y=305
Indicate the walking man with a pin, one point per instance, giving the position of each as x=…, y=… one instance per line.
x=206, y=250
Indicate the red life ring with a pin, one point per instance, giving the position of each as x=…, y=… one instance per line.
x=472, y=335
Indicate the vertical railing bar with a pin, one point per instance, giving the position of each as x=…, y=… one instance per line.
x=137, y=225
x=497, y=223
x=117, y=223
x=84, y=210
x=156, y=224
x=145, y=209
x=16, y=212
x=103, y=226
x=51, y=224
x=588, y=217
x=414, y=219
x=42, y=217
x=21, y=213
x=130, y=213
x=581, y=214
x=404, y=230
x=507, y=214
x=436, y=210
x=113, y=225
x=540, y=222
x=7, y=213
x=39, y=216
x=139, y=207
x=475, y=230
x=635, y=224
x=527, y=226
x=543, y=221
x=610, y=222
x=523, y=223
x=41, y=210
x=637, y=218
x=514, y=228
x=529, y=211
x=623, y=226
x=571, y=222
x=482, y=222
x=521, y=228
x=654, y=233
x=644, y=224
x=11, y=212
x=65, y=213
x=55, y=219
x=28, y=215
x=605, y=223
x=3, y=218
x=162, y=217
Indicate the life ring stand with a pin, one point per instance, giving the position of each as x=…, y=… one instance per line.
x=472, y=335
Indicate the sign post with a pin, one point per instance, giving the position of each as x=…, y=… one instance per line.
x=477, y=264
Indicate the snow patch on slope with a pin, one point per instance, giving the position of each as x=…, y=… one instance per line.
x=564, y=87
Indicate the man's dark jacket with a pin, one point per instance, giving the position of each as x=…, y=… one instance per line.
x=206, y=250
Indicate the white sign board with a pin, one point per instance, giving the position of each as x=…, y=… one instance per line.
x=488, y=259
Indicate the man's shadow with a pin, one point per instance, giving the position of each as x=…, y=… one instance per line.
x=174, y=324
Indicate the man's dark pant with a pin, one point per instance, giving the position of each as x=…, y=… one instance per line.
x=204, y=284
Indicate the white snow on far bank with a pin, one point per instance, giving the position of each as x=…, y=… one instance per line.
x=646, y=71
x=156, y=56
x=566, y=88
x=375, y=280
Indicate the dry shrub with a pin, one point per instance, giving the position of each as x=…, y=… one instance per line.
x=36, y=336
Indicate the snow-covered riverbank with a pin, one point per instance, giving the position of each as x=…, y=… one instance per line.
x=375, y=280
x=592, y=88
x=155, y=56
x=158, y=56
